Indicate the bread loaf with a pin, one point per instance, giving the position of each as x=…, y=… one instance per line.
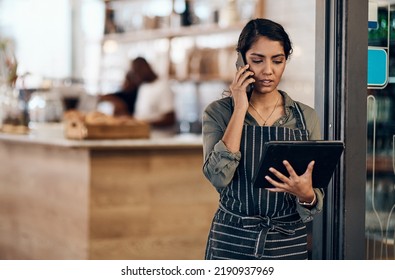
x=98, y=118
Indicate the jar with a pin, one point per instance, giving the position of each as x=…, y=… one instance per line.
x=45, y=106
x=14, y=117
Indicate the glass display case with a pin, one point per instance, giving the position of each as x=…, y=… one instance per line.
x=380, y=181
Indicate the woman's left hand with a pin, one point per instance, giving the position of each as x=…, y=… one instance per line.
x=300, y=186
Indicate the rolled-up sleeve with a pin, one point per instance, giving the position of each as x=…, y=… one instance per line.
x=221, y=165
x=307, y=214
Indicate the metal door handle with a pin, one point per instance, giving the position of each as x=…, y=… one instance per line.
x=393, y=153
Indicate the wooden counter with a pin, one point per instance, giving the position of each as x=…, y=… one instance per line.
x=124, y=199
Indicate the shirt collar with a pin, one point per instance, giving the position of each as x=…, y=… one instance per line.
x=288, y=101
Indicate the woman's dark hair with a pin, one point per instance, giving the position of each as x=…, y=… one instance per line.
x=143, y=70
x=260, y=27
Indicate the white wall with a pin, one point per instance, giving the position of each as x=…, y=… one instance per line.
x=41, y=30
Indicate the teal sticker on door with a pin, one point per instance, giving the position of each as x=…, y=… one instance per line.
x=377, y=67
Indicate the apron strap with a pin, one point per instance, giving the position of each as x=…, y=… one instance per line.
x=300, y=121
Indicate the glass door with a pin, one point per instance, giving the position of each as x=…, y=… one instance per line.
x=380, y=161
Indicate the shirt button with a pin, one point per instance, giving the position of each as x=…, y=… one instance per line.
x=281, y=122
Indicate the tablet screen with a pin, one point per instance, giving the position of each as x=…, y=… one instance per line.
x=299, y=154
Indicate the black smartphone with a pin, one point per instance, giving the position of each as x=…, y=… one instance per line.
x=240, y=63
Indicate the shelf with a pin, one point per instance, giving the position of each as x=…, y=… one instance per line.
x=382, y=164
x=202, y=79
x=163, y=33
x=206, y=56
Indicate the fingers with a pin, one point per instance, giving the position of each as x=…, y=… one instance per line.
x=279, y=175
x=278, y=186
x=244, y=77
x=310, y=167
x=244, y=68
x=249, y=81
x=240, y=72
x=292, y=175
x=293, y=183
x=289, y=168
x=291, y=171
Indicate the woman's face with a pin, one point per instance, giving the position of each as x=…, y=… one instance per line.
x=267, y=60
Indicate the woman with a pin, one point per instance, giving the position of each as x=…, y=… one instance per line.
x=123, y=101
x=155, y=99
x=258, y=223
x=145, y=96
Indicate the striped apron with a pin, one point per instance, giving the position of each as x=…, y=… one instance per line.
x=253, y=223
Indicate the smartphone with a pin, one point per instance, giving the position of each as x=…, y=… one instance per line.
x=240, y=63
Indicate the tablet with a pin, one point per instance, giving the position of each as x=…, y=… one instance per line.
x=299, y=154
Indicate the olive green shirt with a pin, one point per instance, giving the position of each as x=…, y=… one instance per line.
x=220, y=164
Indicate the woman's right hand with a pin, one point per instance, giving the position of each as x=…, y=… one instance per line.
x=238, y=87
x=238, y=90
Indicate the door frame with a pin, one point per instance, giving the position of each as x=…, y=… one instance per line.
x=340, y=98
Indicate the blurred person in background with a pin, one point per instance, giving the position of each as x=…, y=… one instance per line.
x=123, y=101
x=145, y=96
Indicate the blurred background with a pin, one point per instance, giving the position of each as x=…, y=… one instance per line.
x=83, y=48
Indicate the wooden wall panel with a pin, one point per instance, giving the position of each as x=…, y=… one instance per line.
x=74, y=203
x=43, y=202
x=165, y=211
